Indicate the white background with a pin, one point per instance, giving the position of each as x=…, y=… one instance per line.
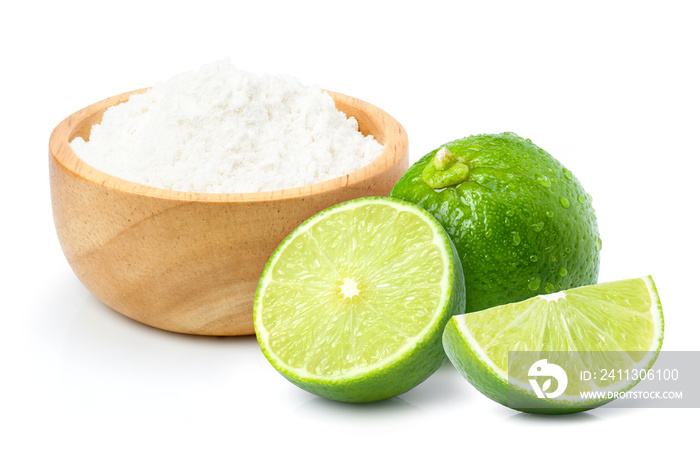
x=609, y=88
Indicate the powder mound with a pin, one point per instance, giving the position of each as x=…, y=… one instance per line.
x=223, y=130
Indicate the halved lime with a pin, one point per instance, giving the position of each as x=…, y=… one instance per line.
x=352, y=304
x=603, y=336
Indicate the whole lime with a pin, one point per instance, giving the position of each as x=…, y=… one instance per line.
x=522, y=223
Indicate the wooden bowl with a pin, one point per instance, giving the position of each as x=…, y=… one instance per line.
x=190, y=262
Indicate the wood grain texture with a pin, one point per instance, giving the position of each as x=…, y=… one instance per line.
x=190, y=262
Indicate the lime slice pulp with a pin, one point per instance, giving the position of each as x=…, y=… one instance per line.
x=598, y=328
x=352, y=304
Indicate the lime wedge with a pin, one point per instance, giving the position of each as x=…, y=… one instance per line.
x=352, y=304
x=603, y=336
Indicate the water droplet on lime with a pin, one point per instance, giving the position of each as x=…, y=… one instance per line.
x=568, y=175
x=564, y=202
x=598, y=243
x=548, y=288
x=537, y=226
x=510, y=213
x=533, y=284
x=562, y=272
x=534, y=258
x=581, y=199
x=488, y=233
x=543, y=180
x=515, y=236
x=549, y=214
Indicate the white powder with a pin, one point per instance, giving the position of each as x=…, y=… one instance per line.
x=222, y=130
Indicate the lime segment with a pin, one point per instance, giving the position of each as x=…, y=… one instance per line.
x=616, y=325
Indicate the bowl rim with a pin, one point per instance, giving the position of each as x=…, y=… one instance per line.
x=395, y=148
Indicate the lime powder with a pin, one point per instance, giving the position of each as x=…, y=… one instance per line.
x=222, y=130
